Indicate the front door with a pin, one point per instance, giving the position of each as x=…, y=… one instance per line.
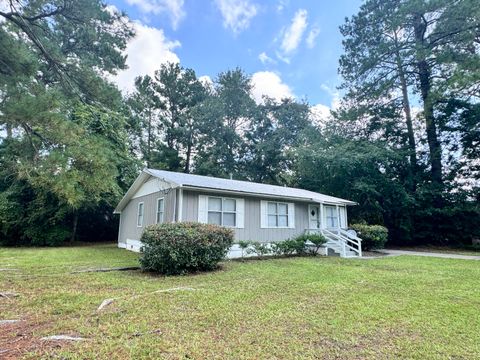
x=314, y=216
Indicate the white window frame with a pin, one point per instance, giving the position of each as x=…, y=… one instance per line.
x=223, y=211
x=277, y=215
x=142, y=216
x=333, y=216
x=160, y=211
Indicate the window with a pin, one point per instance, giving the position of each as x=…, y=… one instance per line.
x=332, y=219
x=160, y=210
x=277, y=214
x=222, y=211
x=140, y=214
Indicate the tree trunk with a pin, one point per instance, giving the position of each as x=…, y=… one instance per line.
x=424, y=73
x=74, y=227
x=189, y=154
x=412, y=149
x=149, y=140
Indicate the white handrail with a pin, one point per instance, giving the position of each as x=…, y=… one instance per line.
x=341, y=237
x=344, y=241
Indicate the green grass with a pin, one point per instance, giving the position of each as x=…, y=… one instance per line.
x=296, y=308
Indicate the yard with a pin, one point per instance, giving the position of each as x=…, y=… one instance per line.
x=327, y=308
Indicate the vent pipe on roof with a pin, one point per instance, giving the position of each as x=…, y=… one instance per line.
x=231, y=176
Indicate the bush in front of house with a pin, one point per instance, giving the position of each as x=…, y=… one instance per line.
x=310, y=243
x=373, y=236
x=178, y=248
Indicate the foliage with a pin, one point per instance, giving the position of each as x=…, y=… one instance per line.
x=373, y=236
x=292, y=246
x=311, y=243
x=178, y=248
x=457, y=225
x=260, y=249
x=244, y=245
x=72, y=142
x=65, y=142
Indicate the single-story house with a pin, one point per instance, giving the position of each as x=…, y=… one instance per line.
x=256, y=212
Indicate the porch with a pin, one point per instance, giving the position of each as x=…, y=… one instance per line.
x=331, y=221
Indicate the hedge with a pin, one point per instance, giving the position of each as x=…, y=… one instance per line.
x=177, y=248
x=373, y=236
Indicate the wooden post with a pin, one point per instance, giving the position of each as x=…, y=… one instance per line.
x=322, y=223
x=338, y=216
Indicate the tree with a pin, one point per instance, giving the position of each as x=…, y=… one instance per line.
x=65, y=136
x=375, y=65
x=180, y=91
x=427, y=46
x=275, y=130
x=227, y=113
x=145, y=106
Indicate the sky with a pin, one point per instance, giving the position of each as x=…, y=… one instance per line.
x=290, y=48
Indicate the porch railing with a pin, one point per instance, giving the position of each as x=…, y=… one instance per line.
x=342, y=238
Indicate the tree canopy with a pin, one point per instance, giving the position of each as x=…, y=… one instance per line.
x=404, y=143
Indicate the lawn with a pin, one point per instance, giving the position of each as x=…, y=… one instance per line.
x=296, y=308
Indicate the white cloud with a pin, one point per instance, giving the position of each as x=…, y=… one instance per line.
x=270, y=84
x=265, y=59
x=173, y=8
x=145, y=52
x=312, y=36
x=206, y=81
x=319, y=114
x=282, y=4
x=237, y=13
x=4, y=7
x=335, y=94
x=292, y=36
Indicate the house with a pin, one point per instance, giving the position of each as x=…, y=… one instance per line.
x=256, y=212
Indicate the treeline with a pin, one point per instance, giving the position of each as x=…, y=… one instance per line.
x=404, y=144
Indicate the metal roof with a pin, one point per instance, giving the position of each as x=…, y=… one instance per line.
x=265, y=190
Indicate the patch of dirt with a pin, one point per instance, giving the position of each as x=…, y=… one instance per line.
x=17, y=339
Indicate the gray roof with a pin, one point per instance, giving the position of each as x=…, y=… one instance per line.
x=247, y=187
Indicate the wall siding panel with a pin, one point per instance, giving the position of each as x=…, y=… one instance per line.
x=252, y=230
x=128, y=218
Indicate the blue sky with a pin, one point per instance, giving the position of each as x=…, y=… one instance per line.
x=291, y=48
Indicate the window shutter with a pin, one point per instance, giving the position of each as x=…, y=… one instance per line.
x=240, y=204
x=291, y=215
x=263, y=214
x=202, y=209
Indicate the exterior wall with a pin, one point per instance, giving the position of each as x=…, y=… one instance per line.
x=252, y=230
x=128, y=218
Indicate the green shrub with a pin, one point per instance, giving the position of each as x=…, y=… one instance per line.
x=179, y=248
x=244, y=245
x=310, y=243
x=277, y=248
x=373, y=236
x=260, y=249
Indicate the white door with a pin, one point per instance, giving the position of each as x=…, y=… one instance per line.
x=314, y=216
